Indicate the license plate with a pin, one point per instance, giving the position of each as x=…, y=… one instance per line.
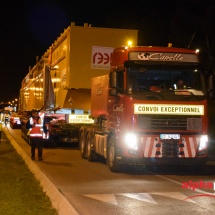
x=170, y=136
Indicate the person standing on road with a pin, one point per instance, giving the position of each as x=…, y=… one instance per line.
x=35, y=127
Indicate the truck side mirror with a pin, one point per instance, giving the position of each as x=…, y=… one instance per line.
x=113, y=91
x=211, y=86
x=113, y=80
x=116, y=83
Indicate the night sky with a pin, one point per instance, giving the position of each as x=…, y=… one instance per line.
x=29, y=28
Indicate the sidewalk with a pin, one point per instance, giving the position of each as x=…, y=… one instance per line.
x=59, y=202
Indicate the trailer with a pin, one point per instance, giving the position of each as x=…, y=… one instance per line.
x=60, y=81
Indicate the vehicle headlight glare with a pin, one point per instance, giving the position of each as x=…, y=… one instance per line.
x=203, y=142
x=131, y=140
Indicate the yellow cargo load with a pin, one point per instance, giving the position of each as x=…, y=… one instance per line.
x=61, y=79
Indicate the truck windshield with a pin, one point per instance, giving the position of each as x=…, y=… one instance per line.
x=145, y=79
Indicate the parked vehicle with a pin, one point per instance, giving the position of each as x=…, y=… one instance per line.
x=15, y=122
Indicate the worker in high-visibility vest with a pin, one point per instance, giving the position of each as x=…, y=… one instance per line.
x=35, y=127
x=6, y=118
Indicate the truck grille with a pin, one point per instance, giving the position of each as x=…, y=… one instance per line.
x=170, y=149
x=165, y=122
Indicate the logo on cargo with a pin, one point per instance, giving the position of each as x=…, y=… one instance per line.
x=101, y=57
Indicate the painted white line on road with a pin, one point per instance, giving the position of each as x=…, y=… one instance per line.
x=175, y=195
x=107, y=198
x=139, y=196
x=144, y=197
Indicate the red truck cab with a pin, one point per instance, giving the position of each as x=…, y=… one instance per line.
x=142, y=117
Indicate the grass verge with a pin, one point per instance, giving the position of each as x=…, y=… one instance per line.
x=20, y=192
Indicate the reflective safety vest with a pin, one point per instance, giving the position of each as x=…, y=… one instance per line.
x=37, y=130
x=6, y=116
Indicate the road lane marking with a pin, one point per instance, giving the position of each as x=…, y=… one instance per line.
x=175, y=195
x=139, y=196
x=108, y=198
x=145, y=197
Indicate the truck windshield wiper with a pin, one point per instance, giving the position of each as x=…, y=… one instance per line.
x=158, y=94
x=190, y=92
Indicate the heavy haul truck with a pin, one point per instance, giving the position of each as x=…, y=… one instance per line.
x=59, y=85
x=124, y=102
x=141, y=116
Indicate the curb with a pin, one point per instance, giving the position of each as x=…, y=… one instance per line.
x=59, y=202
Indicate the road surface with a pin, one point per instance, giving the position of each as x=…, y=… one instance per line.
x=92, y=189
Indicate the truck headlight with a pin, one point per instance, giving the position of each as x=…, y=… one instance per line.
x=203, y=142
x=131, y=141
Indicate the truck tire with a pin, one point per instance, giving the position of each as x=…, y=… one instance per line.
x=91, y=155
x=82, y=144
x=112, y=161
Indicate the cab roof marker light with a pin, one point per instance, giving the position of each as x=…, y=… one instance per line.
x=129, y=43
x=169, y=45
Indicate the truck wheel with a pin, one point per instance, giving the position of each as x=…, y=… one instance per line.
x=91, y=155
x=112, y=161
x=82, y=146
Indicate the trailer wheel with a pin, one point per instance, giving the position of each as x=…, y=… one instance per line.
x=82, y=146
x=91, y=155
x=112, y=161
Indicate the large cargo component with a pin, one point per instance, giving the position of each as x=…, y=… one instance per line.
x=62, y=77
x=60, y=82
